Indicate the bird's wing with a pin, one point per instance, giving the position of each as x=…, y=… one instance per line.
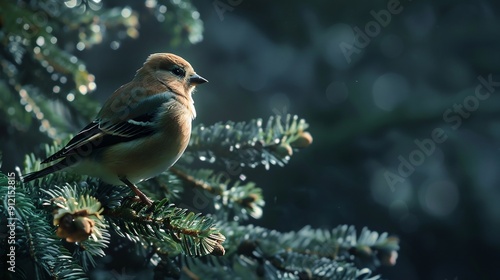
x=103, y=132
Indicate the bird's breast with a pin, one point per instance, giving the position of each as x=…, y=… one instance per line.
x=149, y=156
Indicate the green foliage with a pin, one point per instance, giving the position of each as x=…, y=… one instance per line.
x=233, y=199
x=41, y=35
x=247, y=144
x=184, y=12
x=35, y=241
x=66, y=223
x=169, y=231
x=306, y=254
x=167, y=227
x=73, y=199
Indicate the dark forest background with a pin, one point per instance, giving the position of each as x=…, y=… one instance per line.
x=415, y=77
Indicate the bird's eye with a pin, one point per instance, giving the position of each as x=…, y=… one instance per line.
x=178, y=71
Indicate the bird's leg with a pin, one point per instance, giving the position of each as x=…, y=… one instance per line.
x=137, y=192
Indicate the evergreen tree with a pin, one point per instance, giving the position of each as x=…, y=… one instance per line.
x=65, y=225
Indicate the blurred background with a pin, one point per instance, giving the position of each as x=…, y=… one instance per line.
x=402, y=101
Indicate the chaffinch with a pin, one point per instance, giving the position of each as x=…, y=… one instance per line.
x=141, y=130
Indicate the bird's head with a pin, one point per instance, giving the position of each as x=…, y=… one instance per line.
x=172, y=71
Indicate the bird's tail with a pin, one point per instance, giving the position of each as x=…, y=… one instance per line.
x=46, y=171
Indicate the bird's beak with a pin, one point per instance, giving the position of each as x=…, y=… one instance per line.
x=197, y=79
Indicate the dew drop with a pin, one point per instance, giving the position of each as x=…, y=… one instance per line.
x=126, y=12
x=80, y=46
x=151, y=3
x=92, y=86
x=23, y=93
x=82, y=89
x=95, y=28
x=71, y=3
x=40, y=41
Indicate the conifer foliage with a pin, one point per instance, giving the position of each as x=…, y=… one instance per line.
x=65, y=225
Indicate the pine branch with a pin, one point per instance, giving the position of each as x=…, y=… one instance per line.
x=78, y=216
x=231, y=199
x=199, y=179
x=248, y=144
x=306, y=254
x=35, y=35
x=186, y=232
x=34, y=236
x=33, y=31
x=183, y=11
x=291, y=265
x=165, y=185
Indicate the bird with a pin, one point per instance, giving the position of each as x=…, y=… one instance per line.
x=141, y=130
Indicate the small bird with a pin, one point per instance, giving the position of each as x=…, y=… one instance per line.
x=141, y=130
